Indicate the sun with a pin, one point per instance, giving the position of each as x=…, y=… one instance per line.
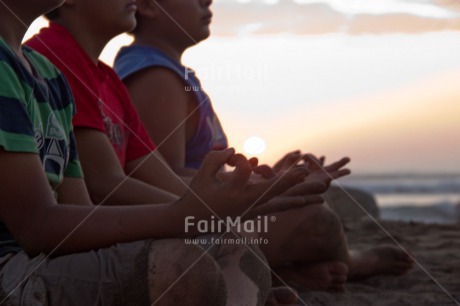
x=254, y=145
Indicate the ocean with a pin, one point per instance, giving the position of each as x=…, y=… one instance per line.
x=430, y=198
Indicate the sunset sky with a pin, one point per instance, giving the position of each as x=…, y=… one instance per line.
x=376, y=80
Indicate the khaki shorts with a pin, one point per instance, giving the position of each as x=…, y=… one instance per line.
x=112, y=276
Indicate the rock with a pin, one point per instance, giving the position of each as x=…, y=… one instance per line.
x=351, y=204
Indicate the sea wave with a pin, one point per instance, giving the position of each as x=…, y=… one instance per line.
x=421, y=198
x=444, y=212
x=407, y=185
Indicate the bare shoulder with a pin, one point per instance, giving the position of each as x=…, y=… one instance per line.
x=158, y=80
x=153, y=91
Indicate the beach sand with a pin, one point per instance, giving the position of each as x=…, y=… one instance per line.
x=436, y=248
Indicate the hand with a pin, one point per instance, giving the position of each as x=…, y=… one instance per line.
x=324, y=174
x=289, y=160
x=297, y=196
x=209, y=195
x=315, y=165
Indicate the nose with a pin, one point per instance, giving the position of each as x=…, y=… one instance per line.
x=206, y=2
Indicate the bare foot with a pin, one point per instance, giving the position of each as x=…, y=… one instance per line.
x=282, y=296
x=325, y=276
x=382, y=260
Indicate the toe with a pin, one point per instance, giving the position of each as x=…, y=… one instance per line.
x=338, y=268
x=285, y=295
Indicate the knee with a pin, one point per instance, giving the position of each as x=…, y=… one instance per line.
x=178, y=272
x=323, y=223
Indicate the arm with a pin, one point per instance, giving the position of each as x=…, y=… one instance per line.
x=73, y=190
x=105, y=177
x=154, y=170
x=164, y=109
x=40, y=225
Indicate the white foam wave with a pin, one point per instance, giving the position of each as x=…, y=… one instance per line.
x=407, y=185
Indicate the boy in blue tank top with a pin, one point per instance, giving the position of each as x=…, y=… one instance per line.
x=208, y=133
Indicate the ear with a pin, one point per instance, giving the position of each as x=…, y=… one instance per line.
x=148, y=8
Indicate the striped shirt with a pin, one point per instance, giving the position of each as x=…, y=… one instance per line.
x=35, y=117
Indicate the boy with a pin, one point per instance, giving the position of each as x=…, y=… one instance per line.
x=77, y=253
x=179, y=119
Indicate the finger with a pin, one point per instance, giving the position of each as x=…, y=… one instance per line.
x=312, y=160
x=264, y=170
x=291, y=160
x=340, y=173
x=338, y=164
x=272, y=187
x=214, y=161
x=306, y=188
x=290, y=155
x=280, y=164
x=254, y=162
x=242, y=171
x=322, y=160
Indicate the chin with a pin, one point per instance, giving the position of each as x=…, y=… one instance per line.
x=129, y=25
x=203, y=36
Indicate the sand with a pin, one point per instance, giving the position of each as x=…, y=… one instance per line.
x=435, y=280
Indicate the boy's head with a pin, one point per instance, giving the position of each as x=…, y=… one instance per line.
x=183, y=21
x=28, y=10
x=111, y=17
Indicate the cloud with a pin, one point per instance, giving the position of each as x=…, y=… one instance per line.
x=355, y=17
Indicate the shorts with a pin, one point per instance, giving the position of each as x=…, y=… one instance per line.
x=112, y=276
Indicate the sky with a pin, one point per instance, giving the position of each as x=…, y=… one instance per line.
x=375, y=80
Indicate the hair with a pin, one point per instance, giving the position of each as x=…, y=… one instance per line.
x=52, y=15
